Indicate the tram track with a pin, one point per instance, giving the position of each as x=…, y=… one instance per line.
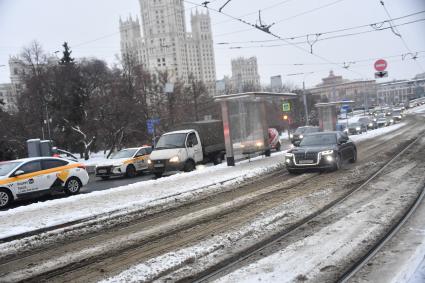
x=195, y=229
x=230, y=263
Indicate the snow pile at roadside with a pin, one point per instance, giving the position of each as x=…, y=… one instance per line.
x=94, y=158
x=135, y=196
x=377, y=132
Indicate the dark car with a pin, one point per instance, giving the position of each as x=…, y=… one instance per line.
x=382, y=122
x=300, y=132
x=368, y=122
x=397, y=115
x=324, y=151
x=356, y=128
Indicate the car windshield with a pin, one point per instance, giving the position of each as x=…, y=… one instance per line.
x=171, y=141
x=322, y=139
x=124, y=153
x=355, y=125
x=301, y=130
x=6, y=167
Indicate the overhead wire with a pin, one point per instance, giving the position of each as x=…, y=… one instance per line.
x=278, y=37
x=397, y=32
x=320, y=39
x=288, y=18
x=326, y=32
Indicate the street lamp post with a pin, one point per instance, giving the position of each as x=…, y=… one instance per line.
x=304, y=93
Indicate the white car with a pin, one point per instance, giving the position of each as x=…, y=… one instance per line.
x=126, y=162
x=33, y=177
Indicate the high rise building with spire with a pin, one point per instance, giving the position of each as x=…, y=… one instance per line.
x=161, y=43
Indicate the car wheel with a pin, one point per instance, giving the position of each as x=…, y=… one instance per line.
x=130, y=172
x=278, y=146
x=158, y=174
x=104, y=177
x=218, y=159
x=73, y=186
x=5, y=198
x=189, y=166
x=338, y=163
x=267, y=152
x=354, y=159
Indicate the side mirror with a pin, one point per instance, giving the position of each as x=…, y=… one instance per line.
x=296, y=143
x=19, y=173
x=342, y=141
x=190, y=144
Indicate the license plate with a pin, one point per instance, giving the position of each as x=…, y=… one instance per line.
x=101, y=171
x=158, y=165
x=306, y=161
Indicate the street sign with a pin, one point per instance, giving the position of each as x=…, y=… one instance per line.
x=286, y=107
x=150, y=124
x=380, y=65
x=382, y=74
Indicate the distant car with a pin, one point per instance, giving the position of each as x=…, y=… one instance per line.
x=397, y=115
x=368, y=123
x=126, y=162
x=254, y=142
x=274, y=139
x=356, y=128
x=300, y=132
x=33, y=177
x=323, y=150
x=382, y=122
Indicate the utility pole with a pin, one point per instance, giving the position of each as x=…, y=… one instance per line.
x=304, y=94
x=305, y=104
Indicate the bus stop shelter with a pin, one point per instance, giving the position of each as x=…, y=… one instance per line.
x=246, y=120
x=328, y=114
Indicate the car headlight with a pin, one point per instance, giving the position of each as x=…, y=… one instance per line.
x=358, y=128
x=391, y=121
x=149, y=161
x=370, y=124
x=291, y=136
x=259, y=144
x=301, y=136
x=374, y=120
x=174, y=159
x=327, y=152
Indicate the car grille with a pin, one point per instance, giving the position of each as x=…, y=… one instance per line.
x=306, y=156
x=104, y=170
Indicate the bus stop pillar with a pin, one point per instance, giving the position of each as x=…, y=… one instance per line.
x=227, y=134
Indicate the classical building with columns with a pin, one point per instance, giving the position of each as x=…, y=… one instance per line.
x=160, y=41
x=336, y=88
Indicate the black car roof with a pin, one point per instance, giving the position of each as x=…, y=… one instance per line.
x=321, y=133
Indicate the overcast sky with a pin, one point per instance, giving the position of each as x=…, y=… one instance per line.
x=91, y=29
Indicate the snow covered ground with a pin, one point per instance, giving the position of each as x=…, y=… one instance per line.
x=140, y=195
x=131, y=197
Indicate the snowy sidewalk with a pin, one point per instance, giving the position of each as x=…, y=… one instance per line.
x=131, y=197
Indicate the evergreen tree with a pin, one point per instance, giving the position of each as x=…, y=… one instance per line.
x=66, y=58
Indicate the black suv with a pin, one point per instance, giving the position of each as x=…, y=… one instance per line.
x=300, y=132
x=323, y=150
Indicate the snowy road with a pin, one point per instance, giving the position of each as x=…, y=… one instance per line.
x=155, y=229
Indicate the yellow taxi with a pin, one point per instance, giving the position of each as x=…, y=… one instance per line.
x=126, y=162
x=33, y=177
